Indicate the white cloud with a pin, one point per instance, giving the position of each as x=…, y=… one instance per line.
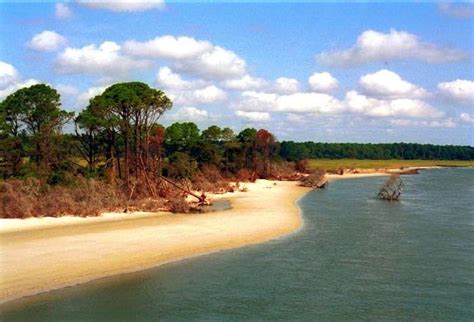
x=459, y=90
x=389, y=85
x=123, y=5
x=373, y=46
x=168, y=47
x=219, y=63
x=447, y=123
x=62, y=11
x=209, y=94
x=8, y=75
x=47, y=41
x=246, y=82
x=105, y=59
x=466, y=118
x=171, y=80
x=323, y=82
x=191, y=56
x=10, y=80
x=374, y=107
x=189, y=114
x=254, y=116
x=287, y=85
x=309, y=103
x=292, y=103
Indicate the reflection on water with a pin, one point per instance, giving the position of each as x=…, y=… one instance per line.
x=357, y=258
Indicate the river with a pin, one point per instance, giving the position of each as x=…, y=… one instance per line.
x=356, y=258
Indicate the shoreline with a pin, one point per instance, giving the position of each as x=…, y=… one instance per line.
x=40, y=255
x=111, y=244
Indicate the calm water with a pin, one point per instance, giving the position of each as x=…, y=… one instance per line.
x=357, y=258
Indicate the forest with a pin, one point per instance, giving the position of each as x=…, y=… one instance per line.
x=293, y=151
x=115, y=154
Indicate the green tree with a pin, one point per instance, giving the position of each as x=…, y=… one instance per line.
x=38, y=109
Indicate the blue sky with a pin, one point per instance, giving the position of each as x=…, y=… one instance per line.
x=360, y=72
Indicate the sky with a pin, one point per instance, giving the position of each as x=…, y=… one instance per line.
x=327, y=72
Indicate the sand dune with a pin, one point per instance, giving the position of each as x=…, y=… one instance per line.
x=44, y=254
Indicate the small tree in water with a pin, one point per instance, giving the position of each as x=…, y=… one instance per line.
x=391, y=189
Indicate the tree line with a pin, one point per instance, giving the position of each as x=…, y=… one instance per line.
x=117, y=136
x=293, y=151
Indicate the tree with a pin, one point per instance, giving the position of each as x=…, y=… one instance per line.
x=248, y=138
x=182, y=136
x=37, y=109
x=212, y=134
x=134, y=107
x=267, y=145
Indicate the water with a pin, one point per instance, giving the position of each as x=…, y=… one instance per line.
x=357, y=258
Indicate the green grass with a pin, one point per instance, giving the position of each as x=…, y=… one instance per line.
x=332, y=164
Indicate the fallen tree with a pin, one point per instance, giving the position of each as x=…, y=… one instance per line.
x=392, y=189
x=316, y=179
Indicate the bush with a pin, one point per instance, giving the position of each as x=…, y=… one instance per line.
x=302, y=166
x=244, y=175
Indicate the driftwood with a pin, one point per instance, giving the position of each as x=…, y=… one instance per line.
x=317, y=179
x=392, y=189
x=201, y=198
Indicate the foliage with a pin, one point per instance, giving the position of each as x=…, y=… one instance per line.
x=294, y=151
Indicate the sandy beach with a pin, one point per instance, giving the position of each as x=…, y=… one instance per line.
x=41, y=254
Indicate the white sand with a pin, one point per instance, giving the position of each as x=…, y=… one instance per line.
x=37, y=255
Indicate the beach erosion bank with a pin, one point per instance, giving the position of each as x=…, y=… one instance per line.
x=42, y=254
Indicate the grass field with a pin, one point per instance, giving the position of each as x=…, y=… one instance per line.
x=332, y=164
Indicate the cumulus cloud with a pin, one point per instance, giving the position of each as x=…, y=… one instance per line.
x=105, y=59
x=123, y=5
x=246, y=82
x=168, y=47
x=209, y=94
x=47, y=41
x=447, y=123
x=8, y=74
x=62, y=11
x=191, y=56
x=389, y=85
x=460, y=90
x=254, y=116
x=188, y=92
x=370, y=106
x=10, y=80
x=323, y=82
x=466, y=118
x=292, y=103
x=189, y=113
x=167, y=78
x=373, y=46
x=287, y=85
